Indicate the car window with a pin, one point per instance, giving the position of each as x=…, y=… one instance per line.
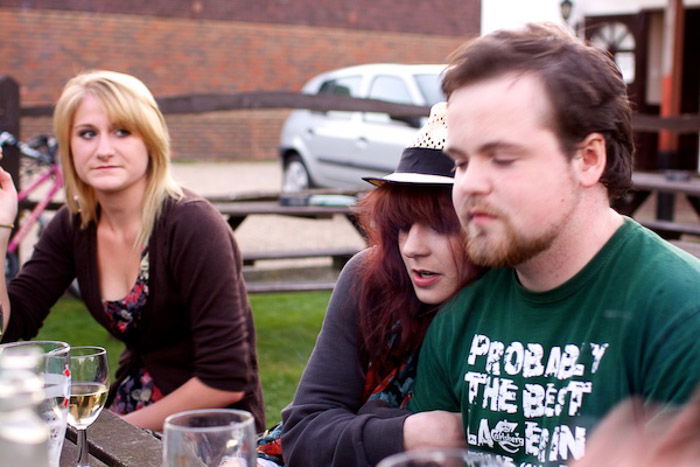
x=387, y=88
x=429, y=86
x=345, y=86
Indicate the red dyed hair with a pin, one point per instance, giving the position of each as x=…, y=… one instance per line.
x=388, y=305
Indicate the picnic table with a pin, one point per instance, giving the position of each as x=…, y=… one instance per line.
x=666, y=185
x=237, y=211
x=237, y=208
x=115, y=443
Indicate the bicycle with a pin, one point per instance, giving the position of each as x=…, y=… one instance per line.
x=41, y=150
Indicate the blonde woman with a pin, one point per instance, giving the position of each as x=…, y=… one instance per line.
x=156, y=264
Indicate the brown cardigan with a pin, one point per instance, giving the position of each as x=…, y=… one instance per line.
x=197, y=320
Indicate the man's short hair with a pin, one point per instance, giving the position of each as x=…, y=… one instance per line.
x=585, y=88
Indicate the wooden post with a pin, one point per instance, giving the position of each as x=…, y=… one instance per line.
x=672, y=69
x=9, y=121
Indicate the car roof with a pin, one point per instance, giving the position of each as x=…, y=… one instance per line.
x=375, y=68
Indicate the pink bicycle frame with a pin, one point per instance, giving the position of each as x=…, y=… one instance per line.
x=55, y=172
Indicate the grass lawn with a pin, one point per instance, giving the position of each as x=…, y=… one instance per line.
x=286, y=324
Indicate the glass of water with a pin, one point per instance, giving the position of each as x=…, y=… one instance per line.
x=440, y=457
x=54, y=369
x=209, y=437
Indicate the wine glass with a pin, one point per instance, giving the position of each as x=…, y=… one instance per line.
x=441, y=457
x=88, y=393
x=209, y=437
x=53, y=368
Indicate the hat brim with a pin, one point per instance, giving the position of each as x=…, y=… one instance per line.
x=410, y=179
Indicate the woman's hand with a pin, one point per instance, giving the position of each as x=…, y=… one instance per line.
x=8, y=197
x=436, y=429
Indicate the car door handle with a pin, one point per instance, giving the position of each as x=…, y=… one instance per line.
x=310, y=131
x=362, y=142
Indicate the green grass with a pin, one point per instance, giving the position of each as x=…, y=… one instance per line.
x=286, y=325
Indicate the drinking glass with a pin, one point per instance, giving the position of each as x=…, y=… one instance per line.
x=209, y=437
x=441, y=457
x=53, y=368
x=88, y=393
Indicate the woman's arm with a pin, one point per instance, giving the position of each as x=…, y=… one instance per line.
x=8, y=212
x=328, y=422
x=203, y=266
x=192, y=395
x=43, y=279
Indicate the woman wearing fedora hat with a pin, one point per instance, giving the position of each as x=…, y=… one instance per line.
x=349, y=406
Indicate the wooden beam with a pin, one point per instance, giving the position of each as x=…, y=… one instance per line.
x=672, y=69
x=200, y=103
x=678, y=123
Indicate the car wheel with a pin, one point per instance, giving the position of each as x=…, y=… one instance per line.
x=296, y=176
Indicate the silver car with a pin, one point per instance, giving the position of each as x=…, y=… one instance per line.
x=335, y=149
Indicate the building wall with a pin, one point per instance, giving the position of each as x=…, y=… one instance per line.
x=185, y=47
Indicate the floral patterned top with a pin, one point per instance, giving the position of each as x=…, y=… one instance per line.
x=137, y=390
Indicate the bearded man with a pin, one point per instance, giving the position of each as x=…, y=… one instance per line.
x=582, y=307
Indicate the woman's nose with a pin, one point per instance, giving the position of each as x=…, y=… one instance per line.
x=105, y=148
x=415, y=241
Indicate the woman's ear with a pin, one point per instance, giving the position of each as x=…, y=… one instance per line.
x=590, y=159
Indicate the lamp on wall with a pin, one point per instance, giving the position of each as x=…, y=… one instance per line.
x=565, y=8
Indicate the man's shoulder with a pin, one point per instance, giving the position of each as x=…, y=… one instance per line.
x=650, y=253
x=659, y=275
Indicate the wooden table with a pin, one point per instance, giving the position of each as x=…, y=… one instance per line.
x=114, y=442
x=670, y=182
x=237, y=211
x=666, y=185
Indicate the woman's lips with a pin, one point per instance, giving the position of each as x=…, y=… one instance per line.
x=424, y=278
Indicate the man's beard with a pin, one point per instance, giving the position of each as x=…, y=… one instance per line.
x=511, y=249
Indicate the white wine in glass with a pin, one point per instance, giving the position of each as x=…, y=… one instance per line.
x=86, y=402
x=88, y=393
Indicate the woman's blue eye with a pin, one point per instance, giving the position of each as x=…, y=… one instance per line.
x=86, y=134
x=122, y=132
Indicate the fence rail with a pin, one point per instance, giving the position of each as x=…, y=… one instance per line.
x=203, y=103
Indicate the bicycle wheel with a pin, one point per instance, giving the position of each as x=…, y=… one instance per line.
x=11, y=266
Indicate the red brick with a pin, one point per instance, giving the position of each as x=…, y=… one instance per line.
x=175, y=51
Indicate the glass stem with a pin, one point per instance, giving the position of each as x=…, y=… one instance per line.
x=83, y=451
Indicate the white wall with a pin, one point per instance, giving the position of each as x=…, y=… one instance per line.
x=510, y=14
x=608, y=7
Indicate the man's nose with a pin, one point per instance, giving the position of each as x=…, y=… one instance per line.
x=473, y=179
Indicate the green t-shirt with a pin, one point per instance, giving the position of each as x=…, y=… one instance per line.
x=533, y=372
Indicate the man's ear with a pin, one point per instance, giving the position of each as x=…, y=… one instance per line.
x=590, y=159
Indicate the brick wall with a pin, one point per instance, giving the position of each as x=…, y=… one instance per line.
x=438, y=17
x=177, y=54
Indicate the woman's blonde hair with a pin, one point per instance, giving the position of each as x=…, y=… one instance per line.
x=130, y=105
